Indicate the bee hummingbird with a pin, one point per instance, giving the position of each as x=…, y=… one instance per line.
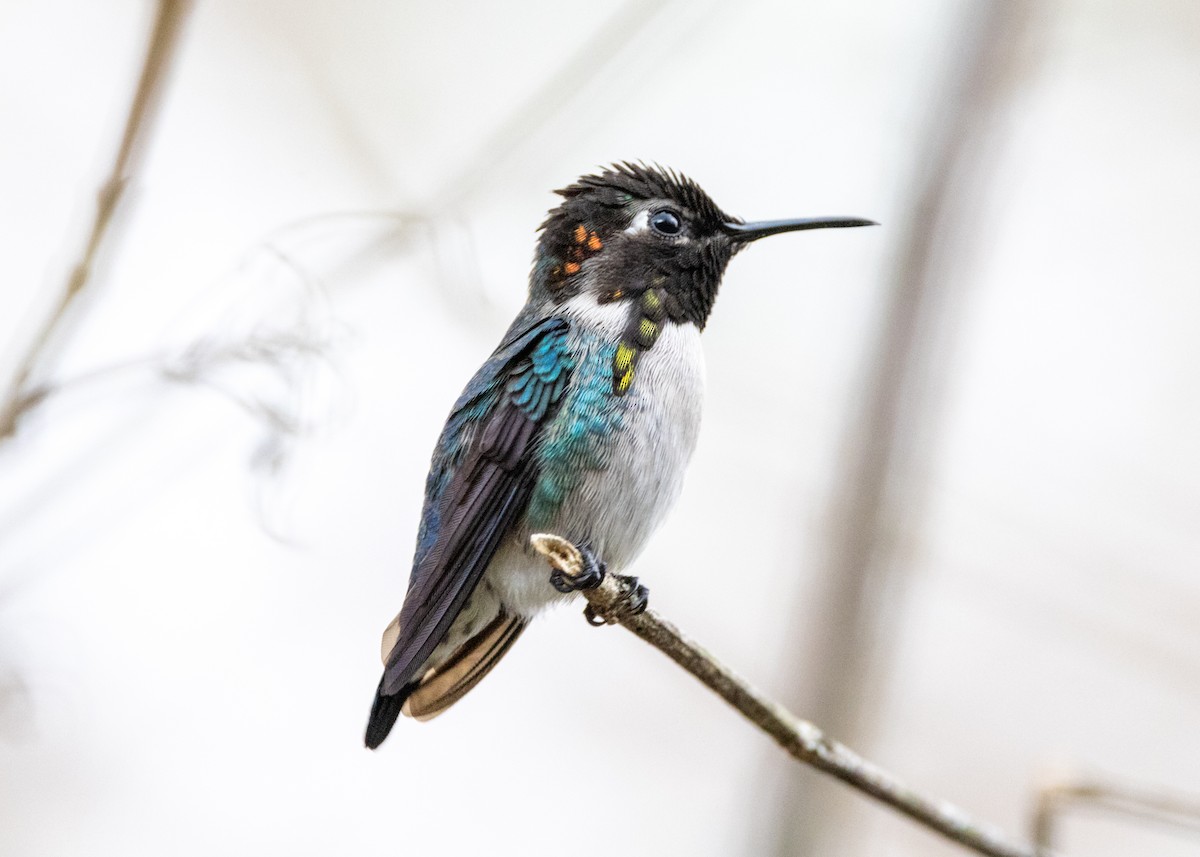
x=581, y=423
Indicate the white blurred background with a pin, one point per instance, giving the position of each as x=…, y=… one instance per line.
x=946, y=498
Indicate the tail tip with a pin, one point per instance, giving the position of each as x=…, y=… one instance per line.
x=384, y=712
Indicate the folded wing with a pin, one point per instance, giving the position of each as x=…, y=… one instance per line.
x=483, y=473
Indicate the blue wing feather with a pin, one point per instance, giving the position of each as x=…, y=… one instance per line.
x=469, y=411
x=480, y=480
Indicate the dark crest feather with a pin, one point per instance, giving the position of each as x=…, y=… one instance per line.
x=647, y=181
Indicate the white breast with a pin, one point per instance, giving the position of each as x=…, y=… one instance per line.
x=633, y=495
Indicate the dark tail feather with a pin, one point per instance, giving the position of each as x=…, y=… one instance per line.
x=384, y=712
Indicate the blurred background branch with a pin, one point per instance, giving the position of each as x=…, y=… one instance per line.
x=147, y=96
x=878, y=486
x=1158, y=807
x=440, y=218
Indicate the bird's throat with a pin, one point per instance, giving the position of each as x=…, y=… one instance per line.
x=647, y=315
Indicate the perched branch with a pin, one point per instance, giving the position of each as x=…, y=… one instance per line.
x=1156, y=806
x=799, y=738
x=159, y=52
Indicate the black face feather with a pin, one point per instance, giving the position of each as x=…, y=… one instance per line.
x=586, y=242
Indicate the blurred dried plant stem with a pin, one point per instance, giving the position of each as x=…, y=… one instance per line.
x=22, y=396
x=799, y=738
x=1078, y=792
x=879, y=482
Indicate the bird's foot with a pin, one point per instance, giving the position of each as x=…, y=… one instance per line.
x=576, y=568
x=631, y=602
x=590, y=574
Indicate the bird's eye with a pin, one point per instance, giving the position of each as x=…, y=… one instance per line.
x=666, y=222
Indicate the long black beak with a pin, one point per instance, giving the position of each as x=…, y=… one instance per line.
x=744, y=233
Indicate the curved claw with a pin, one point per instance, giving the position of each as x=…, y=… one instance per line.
x=593, y=618
x=637, y=597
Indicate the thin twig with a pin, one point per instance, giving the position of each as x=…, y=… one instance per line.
x=159, y=53
x=801, y=739
x=1156, y=806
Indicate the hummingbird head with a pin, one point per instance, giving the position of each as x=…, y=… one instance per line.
x=635, y=229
